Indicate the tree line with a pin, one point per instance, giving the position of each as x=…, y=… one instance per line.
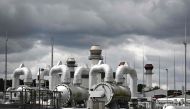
x=9, y=83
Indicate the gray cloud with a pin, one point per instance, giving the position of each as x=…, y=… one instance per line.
x=111, y=19
x=16, y=44
x=121, y=27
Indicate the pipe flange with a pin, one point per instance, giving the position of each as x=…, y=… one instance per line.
x=107, y=88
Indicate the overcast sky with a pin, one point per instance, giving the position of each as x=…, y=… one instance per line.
x=122, y=28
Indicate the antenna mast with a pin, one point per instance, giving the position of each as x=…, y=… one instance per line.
x=159, y=71
x=105, y=56
x=5, y=83
x=143, y=63
x=174, y=72
x=52, y=44
x=134, y=62
x=185, y=44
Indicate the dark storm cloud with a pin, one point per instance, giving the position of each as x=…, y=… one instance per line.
x=119, y=26
x=83, y=41
x=16, y=44
x=71, y=21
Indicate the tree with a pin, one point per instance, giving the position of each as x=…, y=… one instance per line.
x=141, y=87
x=156, y=87
x=1, y=84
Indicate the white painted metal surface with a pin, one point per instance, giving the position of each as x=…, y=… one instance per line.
x=124, y=70
x=22, y=70
x=113, y=93
x=99, y=68
x=43, y=73
x=55, y=77
x=70, y=94
x=78, y=75
x=97, y=94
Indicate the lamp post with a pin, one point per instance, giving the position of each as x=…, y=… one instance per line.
x=167, y=83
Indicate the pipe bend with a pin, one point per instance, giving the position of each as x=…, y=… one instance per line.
x=17, y=72
x=21, y=71
x=27, y=73
x=64, y=70
x=134, y=73
x=103, y=68
x=99, y=68
x=65, y=77
x=108, y=72
x=119, y=78
x=54, y=70
x=54, y=75
x=44, y=73
x=123, y=69
x=78, y=75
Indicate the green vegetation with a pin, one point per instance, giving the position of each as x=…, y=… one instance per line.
x=140, y=87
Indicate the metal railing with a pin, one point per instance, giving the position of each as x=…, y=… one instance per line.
x=31, y=97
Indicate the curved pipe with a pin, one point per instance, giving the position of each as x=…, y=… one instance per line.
x=55, y=77
x=98, y=69
x=43, y=73
x=22, y=70
x=78, y=75
x=121, y=71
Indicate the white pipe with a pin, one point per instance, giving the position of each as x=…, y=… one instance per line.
x=124, y=70
x=43, y=73
x=55, y=77
x=78, y=75
x=100, y=68
x=22, y=70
